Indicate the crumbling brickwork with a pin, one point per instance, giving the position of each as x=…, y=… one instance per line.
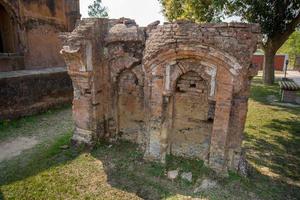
x=29, y=32
x=179, y=88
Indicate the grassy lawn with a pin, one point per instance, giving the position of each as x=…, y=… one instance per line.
x=47, y=124
x=117, y=171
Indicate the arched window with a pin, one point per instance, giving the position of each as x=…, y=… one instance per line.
x=7, y=32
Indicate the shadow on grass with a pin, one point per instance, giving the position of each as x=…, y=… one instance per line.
x=276, y=145
x=126, y=170
x=269, y=188
x=10, y=128
x=260, y=92
x=1, y=195
x=287, y=156
x=36, y=160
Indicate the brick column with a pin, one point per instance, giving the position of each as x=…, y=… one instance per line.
x=218, y=151
x=83, y=53
x=78, y=60
x=156, y=126
x=237, y=124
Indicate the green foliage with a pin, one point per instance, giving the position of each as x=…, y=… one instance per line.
x=292, y=47
x=277, y=18
x=97, y=10
x=274, y=16
x=195, y=10
x=156, y=169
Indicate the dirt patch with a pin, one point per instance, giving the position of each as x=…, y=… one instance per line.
x=26, y=134
x=14, y=147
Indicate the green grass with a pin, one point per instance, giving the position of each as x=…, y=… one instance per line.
x=272, y=140
x=273, y=135
x=25, y=126
x=118, y=171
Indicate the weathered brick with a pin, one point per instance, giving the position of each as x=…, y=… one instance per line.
x=171, y=88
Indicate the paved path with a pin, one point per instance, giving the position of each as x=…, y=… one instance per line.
x=37, y=72
x=14, y=147
x=295, y=75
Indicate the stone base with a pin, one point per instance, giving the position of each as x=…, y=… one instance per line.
x=82, y=137
x=28, y=92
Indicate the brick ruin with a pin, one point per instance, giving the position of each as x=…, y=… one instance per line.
x=179, y=88
x=33, y=75
x=29, y=31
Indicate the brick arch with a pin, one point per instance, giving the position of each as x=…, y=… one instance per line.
x=228, y=79
x=19, y=29
x=126, y=70
x=11, y=10
x=126, y=63
x=227, y=65
x=207, y=55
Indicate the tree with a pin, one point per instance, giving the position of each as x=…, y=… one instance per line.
x=292, y=47
x=195, y=10
x=278, y=19
x=97, y=10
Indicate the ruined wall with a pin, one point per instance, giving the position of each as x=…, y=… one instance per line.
x=30, y=45
x=28, y=92
x=180, y=88
x=225, y=51
x=35, y=29
x=45, y=19
x=43, y=47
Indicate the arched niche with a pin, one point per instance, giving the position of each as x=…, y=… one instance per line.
x=191, y=126
x=130, y=107
x=227, y=75
x=226, y=65
x=8, y=31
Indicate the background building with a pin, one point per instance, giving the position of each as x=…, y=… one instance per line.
x=279, y=61
x=33, y=74
x=29, y=32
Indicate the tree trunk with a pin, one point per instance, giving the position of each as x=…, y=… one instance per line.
x=268, y=73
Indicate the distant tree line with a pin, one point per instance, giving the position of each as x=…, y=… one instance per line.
x=292, y=48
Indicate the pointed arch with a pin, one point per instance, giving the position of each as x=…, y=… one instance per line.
x=10, y=28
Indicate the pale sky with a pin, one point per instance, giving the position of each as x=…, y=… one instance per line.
x=143, y=12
